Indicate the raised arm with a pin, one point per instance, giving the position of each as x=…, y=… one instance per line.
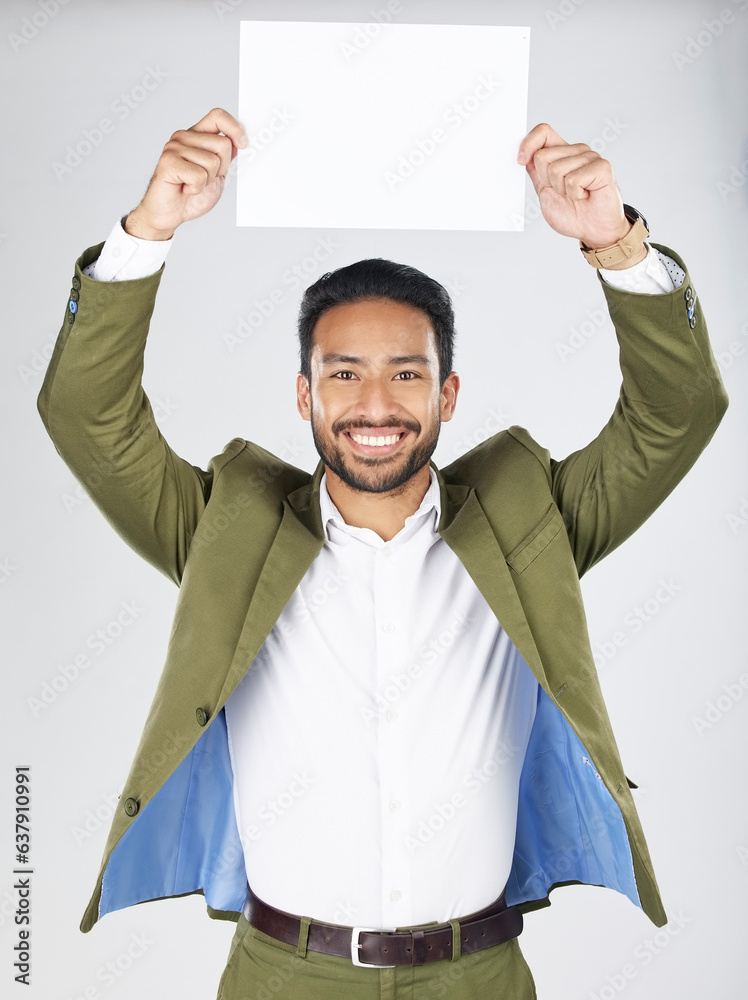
x=671, y=398
x=92, y=401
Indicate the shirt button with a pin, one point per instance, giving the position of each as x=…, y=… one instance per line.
x=394, y=806
x=388, y=627
x=396, y=895
x=391, y=715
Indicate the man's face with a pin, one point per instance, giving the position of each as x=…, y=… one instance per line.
x=375, y=402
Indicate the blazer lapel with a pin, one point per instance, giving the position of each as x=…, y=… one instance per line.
x=465, y=528
x=299, y=539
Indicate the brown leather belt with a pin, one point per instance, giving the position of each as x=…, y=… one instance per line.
x=373, y=948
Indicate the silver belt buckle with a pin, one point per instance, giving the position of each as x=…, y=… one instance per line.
x=356, y=944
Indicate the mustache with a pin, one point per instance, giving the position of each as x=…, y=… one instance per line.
x=344, y=425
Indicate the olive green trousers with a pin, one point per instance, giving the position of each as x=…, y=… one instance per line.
x=261, y=968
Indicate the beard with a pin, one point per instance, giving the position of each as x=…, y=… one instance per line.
x=367, y=473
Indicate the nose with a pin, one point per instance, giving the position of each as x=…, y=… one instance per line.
x=376, y=400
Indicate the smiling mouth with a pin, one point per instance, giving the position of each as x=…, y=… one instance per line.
x=378, y=442
x=375, y=444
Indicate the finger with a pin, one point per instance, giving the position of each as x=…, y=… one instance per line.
x=547, y=164
x=579, y=184
x=210, y=162
x=216, y=145
x=537, y=138
x=566, y=174
x=594, y=175
x=219, y=120
x=549, y=153
x=191, y=176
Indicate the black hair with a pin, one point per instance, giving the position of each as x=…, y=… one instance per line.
x=373, y=279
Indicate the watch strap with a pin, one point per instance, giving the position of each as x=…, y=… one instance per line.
x=624, y=249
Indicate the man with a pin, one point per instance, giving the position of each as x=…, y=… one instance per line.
x=379, y=706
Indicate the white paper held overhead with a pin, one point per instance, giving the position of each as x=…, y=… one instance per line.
x=382, y=126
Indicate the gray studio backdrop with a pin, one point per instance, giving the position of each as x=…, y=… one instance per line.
x=660, y=89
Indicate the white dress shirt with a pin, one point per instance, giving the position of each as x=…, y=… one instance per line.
x=378, y=738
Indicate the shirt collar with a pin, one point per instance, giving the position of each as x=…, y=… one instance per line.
x=331, y=514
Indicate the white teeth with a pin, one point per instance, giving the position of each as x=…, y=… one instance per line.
x=377, y=441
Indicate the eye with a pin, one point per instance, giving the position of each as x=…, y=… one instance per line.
x=406, y=376
x=344, y=375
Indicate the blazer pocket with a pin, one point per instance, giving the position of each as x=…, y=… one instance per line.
x=541, y=536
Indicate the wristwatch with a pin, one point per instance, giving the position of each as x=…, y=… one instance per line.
x=625, y=248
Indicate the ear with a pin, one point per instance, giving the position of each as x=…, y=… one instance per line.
x=303, y=397
x=448, y=399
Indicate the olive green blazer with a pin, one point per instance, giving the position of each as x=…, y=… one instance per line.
x=239, y=536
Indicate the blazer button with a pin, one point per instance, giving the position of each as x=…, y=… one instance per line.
x=76, y=281
x=131, y=807
x=202, y=717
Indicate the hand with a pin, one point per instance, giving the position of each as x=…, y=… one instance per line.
x=576, y=187
x=189, y=176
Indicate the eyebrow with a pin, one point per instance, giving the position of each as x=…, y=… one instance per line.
x=350, y=359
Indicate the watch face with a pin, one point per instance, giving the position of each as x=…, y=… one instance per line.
x=632, y=215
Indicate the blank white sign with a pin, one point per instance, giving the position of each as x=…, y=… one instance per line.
x=382, y=126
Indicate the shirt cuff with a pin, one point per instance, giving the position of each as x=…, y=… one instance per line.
x=124, y=257
x=656, y=274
